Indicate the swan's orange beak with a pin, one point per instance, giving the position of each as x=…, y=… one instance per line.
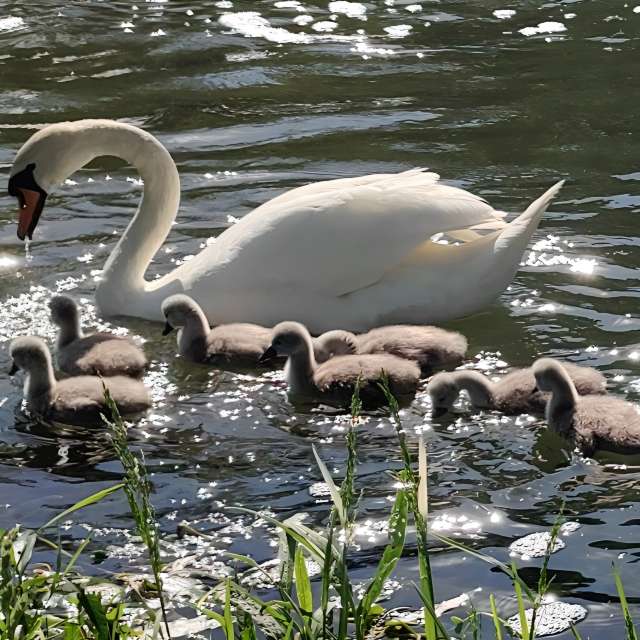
x=31, y=205
x=31, y=199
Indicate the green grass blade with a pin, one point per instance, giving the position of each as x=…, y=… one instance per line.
x=76, y=555
x=91, y=605
x=333, y=489
x=228, y=619
x=390, y=557
x=81, y=504
x=628, y=620
x=303, y=585
x=496, y=618
x=524, y=626
x=423, y=497
x=575, y=634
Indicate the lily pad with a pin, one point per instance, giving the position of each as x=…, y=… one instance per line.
x=551, y=618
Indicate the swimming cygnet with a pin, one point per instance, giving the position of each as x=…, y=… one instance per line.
x=591, y=422
x=237, y=344
x=431, y=347
x=334, y=381
x=78, y=400
x=96, y=353
x=515, y=393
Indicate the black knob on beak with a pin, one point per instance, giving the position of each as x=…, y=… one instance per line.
x=167, y=329
x=269, y=354
x=14, y=369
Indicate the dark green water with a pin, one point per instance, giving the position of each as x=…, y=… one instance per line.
x=501, y=113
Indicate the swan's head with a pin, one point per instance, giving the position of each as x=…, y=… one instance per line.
x=288, y=338
x=178, y=310
x=334, y=343
x=64, y=311
x=45, y=160
x=548, y=372
x=443, y=391
x=29, y=353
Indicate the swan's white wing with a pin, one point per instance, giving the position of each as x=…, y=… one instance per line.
x=336, y=239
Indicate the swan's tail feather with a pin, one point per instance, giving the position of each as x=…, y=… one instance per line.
x=517, y=233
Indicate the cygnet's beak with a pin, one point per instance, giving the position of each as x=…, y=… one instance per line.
x=167, y=329
x=14, y=369
x=438, y=412
x=536, y=389
x=269, y=354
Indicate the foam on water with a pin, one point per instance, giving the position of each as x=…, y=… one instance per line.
x=543, y=27
x=12, y=23
x=252, y=25
x=349, y=9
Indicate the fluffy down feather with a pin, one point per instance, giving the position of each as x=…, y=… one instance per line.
x=80, y=400
x=336, y=379
x=103, y=354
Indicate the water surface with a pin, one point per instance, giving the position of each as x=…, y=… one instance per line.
x=252, y=104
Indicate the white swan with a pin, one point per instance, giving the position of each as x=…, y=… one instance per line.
x=352, y=253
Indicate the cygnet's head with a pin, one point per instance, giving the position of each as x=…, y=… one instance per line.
x=177, y=310
x=64, y=311
x=288, y=338
x=29, y=353
x=443, y=391
x=548, y=372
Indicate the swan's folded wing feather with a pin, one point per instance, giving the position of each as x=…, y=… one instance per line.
x=336, y=241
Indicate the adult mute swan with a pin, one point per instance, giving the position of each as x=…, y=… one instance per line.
x=353, y=253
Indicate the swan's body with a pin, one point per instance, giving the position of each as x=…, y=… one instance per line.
x=100, y=353
x=430, y=347
x=77, y=400
x=513, y=394
x=238, y=344
x=592, y=422
x=354, y=253
x=334, y=381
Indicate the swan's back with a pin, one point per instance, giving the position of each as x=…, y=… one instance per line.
x=430, y=347
x=103, y=354
x=80, y=400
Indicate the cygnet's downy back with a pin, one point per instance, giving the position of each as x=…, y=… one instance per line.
x=77, y=400
x=94, y=354
x=334, y=381
x=234, y=346
x=591, y=422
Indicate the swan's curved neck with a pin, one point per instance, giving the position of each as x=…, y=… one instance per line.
x=479, y=388
x=564, y=397
x=70, y=331
x=192, y=339
x=300, y=368
x=124, y=271
x=39, y=386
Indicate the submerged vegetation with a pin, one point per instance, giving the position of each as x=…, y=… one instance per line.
x=39, y=600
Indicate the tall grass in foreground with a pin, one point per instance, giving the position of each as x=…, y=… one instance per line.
x=331, y=608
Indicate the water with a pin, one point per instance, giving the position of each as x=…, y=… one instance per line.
x=262, y=103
